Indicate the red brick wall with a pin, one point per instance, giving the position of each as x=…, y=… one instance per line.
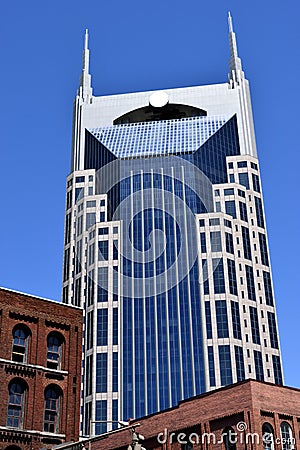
x=247, y=404
x=41, y=317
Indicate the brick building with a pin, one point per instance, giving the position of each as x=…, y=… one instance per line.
x=234, y=417
x=40, y=371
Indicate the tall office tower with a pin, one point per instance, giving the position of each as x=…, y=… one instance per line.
x=166, y=247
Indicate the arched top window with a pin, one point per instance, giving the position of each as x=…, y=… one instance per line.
x=54, y=350
x=16, y=402
x=268, y=436
x=20, y=343
x=53, y=396
x=286, y=434
x=229, y=438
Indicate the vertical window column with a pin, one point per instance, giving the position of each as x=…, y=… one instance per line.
x=225, y=365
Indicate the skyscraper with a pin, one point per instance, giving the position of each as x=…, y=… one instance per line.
x=166, y=247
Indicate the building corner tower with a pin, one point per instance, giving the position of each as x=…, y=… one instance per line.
x=165, y=246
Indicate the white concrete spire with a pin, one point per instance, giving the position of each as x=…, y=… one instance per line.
x=85, y=87
x=235, y=63
x=230, y=23
x=86, y=39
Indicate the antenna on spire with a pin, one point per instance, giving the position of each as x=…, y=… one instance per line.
x=86, y=39
x=230, y=23
x=85, y=88
x=235, y=63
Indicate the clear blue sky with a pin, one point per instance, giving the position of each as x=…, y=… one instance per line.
x=136, y=46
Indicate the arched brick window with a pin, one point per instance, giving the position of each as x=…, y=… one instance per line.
x=16, y=402
x=287, y=440
x=20, y=344
x=54, y=350
x=52, y=407
x=268, y=436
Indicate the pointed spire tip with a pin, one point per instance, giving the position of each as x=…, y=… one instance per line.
x=230, y=22
x=86, y=39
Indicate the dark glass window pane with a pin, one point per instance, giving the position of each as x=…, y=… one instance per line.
x=203, y=242
x=255, y=181
x=243, y=211
x=230, y=208
x=68, y=228
x=246, y=243
x=88, y=375
x=229, y=243
x=101, y=372
x=259, y=212
x=102, y=288
x=268, y=288
x=215, y=241
x=214, y=221
x=277, y=369
x=115, y=372
x=218, y=276
x=222, y=319
x=232, y=277
x=205, y=277
x=115, y=415
x=254, y=325
x=90, y=220
x=263, y=249
x=208, y=320
x=90, y=287
x=115, y=326
x=250, y=283
x=103, y=231
x=225, y=364
x=79, y=193
x=236, y=322
x=211, y=366
x=115, y=250
x=101, y=415
x=273, y=330
x=102, y=326
x=244, y=179
x=259, y=368
x=89, y=332
x=239, y=363
x=102, y=250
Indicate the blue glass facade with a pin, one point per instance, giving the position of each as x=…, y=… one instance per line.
x=153, y=195
x=165, y=260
